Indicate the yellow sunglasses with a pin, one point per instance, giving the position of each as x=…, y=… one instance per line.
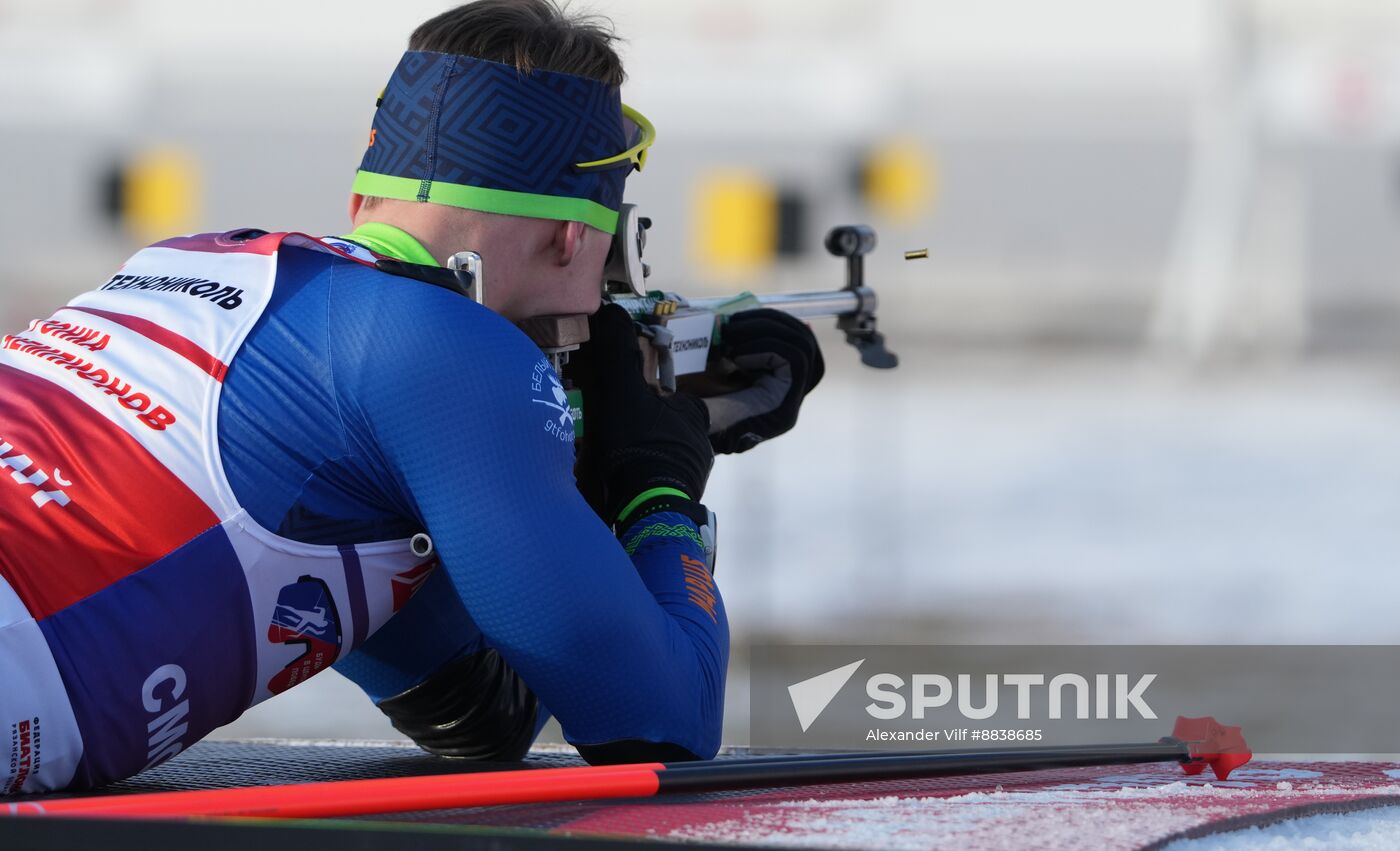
x=634, y=126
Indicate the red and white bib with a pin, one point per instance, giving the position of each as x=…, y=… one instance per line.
x=140, y=606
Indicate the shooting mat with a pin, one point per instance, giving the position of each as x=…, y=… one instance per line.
x=1123, y=807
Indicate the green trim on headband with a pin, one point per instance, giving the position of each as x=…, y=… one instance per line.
x=393, y=242
x=487, y=200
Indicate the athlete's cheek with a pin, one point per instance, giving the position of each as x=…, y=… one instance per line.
x=582, y=296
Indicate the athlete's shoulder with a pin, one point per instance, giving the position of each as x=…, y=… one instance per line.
x=411, y=356
x=326, y=251
x=417, y=316
x=296, y=256
x=394, y=331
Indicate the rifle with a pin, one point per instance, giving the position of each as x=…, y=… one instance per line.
x=678, y=332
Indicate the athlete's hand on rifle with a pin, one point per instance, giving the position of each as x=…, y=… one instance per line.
x=781, y=357
x=635, y=440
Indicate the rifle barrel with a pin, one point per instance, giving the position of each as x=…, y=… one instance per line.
x=812, y=305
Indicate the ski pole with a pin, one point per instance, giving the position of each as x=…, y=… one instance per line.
x=1195, y=743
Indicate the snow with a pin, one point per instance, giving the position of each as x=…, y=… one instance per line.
x=1369, y=830
x=1113, y=811
x=1005, y=820
x=900, y=823
x=1062, y=498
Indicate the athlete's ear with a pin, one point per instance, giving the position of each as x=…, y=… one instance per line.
x=568, y=240
x=356, y=199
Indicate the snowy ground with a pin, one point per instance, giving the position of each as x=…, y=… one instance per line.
x=1005, y=820
x=1120, y=810
x=1016, y=498
x=1373, y=830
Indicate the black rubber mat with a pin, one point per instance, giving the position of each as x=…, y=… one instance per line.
x=130, y=835
x=224, y=765
x=221, y=765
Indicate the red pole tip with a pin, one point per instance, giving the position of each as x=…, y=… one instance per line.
x=1211, y=743
x=1224, y=763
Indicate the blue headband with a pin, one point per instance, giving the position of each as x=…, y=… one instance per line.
x=481, y=135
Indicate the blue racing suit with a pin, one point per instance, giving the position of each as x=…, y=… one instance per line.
x=365, y=406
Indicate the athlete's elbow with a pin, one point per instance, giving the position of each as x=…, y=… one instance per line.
x=695, y=742
x=685, y=725
x=625, y=751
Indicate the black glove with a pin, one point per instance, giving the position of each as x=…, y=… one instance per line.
x=634, y=440
x=781, y=355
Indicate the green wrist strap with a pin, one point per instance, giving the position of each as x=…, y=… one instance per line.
x=643, y=497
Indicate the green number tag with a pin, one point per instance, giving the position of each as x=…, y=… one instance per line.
x=576, y=410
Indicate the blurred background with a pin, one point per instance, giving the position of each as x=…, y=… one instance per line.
x=1149, y=382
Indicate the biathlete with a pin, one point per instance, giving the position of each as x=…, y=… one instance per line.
x=215, y=462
